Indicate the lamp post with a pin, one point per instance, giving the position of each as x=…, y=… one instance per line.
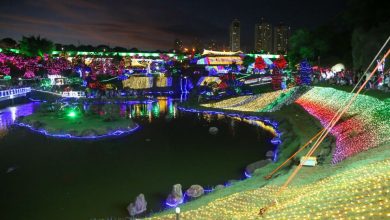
x=177, y=210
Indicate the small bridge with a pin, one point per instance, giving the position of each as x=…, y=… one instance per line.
x=13, y=93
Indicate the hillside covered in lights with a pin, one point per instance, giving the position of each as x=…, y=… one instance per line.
x=352, y=181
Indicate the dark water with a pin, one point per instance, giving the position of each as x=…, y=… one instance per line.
x=45, y=178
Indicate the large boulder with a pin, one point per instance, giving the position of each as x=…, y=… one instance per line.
x=269, y=154
x=195, y=191
x=250, y=169
x=213, y=130
x=138, y=207
x=219, y=187
x=176, y=196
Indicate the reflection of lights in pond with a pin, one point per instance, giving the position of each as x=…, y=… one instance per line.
x=13, y=113
x=9, y=115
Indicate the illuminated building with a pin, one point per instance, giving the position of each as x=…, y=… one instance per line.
x=281, y=36
x=263, y=36
x=178, y=46
x=235, y=35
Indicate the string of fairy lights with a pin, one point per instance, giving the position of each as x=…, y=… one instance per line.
x=260, y=103
x=365, y=125
x=360, y=192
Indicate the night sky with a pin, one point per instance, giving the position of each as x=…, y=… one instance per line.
x=154, y=24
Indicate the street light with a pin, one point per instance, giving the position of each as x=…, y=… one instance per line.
x=177, y=210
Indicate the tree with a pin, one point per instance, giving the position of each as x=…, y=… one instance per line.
x=365, y=44
x=305, y=72
x=260, y=63
x=279, y=65
x=134, y=49
x=7, y=43
x=88, y=48
x=102, y=47
x=35, y=46
x=119, y=49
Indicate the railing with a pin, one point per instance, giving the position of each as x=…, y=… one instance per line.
x=73, y=94
x=11, y=93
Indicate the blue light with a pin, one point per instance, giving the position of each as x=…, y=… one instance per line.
x=183, y=88
x=175, y=205
x=116, y=133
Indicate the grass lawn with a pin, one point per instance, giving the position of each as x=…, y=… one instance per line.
x=76, y=126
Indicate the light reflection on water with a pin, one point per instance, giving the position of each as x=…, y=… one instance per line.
x=149, y=110
x=141, y=111
x=9, y=115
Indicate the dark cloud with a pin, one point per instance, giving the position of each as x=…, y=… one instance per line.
x=153, y=24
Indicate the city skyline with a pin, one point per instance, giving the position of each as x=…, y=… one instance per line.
x=152, y=24
x=268, y=38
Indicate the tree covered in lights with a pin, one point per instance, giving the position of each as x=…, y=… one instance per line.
x=305, y=71
x=260, y=63
x=279, y=65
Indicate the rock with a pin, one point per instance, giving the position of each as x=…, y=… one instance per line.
x=256, y=165
x=176, y=196
x=195, y=191
x=73, y=132
x=168, y=118
x=138, y=207
x=11, y=169
x=231, y=182
x=218, y=187
x=37, y=124
x=269, y=154
x=88, y=133
x=213, y=130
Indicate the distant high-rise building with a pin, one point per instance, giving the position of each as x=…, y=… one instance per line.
x=212, y=45
x=281, y=36
x=178, y=45
x=197, y=44
x=263, y=37
x=235, y=35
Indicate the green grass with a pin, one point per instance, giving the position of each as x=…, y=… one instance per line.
x=77, y=126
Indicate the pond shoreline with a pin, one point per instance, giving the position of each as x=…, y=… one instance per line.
x=292, y=121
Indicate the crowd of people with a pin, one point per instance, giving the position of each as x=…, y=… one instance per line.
x=380, y=80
